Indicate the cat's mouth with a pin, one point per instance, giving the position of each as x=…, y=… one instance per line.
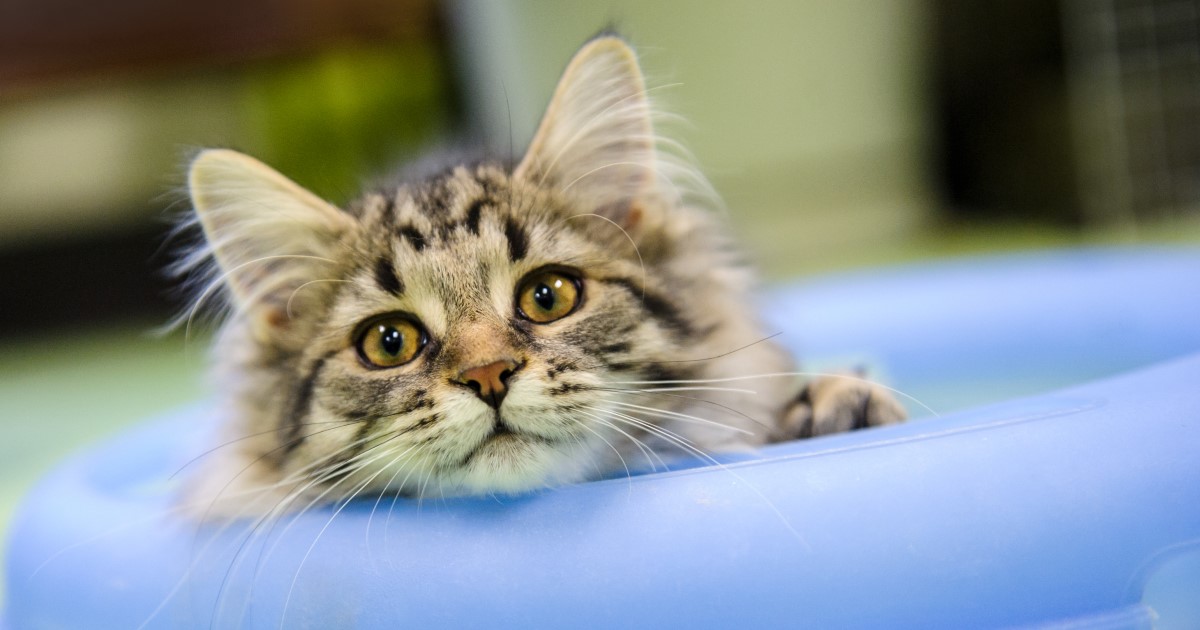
x=505, y=441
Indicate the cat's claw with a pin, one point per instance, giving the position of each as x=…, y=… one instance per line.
x=834, y=404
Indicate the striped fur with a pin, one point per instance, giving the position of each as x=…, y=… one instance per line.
x=599, y=194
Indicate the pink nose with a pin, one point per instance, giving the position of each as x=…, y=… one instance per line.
x=489, y=382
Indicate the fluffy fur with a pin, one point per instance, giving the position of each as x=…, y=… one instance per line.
x=632, y=377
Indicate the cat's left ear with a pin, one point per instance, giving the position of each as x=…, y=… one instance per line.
x=269, y=236
x=596, y=142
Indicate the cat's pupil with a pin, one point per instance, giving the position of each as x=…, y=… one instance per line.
x=391, y=340
x=544, y=297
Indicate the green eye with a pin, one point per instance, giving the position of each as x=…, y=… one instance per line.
x=390, y=341
x=546, y=296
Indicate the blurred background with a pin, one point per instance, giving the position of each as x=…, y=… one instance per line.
x=841, y=133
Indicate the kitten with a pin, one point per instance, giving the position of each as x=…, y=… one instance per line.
x=493, y=328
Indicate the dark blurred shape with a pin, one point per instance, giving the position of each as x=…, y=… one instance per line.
x=1001, y=110
x=84, y=281
x=1070, y=112
x=1135, y=69
x=59, y=40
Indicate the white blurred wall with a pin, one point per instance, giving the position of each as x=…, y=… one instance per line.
x=83, y=159
x=808, y=116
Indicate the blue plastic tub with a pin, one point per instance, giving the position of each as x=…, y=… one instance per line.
x=1075, y=508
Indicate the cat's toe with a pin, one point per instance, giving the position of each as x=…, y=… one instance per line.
x=837, y=404
x=880, y=408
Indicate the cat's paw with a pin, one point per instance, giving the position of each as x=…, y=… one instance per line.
x=833, y=404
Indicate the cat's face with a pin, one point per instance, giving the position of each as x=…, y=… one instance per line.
x=483, y=330
x=474, y=341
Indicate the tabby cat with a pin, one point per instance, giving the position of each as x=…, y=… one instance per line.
x=495, y=327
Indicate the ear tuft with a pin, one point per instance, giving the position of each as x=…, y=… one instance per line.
x=596, y=141
x=268, y=235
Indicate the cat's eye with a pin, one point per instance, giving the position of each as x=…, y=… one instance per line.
x=546, y=296
x=390, y=341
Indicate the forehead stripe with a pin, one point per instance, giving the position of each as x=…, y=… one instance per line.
x=656, y=305
x=413, y=236
x=518, y=241
x=386, y=278
x=473, y=215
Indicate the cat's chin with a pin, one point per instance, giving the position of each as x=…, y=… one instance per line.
x=512, y=463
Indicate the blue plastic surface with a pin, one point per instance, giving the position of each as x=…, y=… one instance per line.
x=1075, y=508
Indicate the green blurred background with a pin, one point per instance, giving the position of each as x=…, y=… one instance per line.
x=840, y=133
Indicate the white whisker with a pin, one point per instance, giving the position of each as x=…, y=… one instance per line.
x=636, y=250
x=647, y=452
x=292, y=587
x=663, y=413
x=650, y=390
x=705, y=401
x=685, y=445
x=219, y=282
x=288, y=307
x=628, y=473
x=730, y=379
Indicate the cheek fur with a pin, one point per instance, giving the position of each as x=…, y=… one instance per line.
x=448, y=246
x=349, y=390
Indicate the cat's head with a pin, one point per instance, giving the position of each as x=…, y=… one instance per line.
x=480, y=330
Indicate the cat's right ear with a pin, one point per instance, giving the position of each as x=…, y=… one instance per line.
x=268, y=235
x=596, y=142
